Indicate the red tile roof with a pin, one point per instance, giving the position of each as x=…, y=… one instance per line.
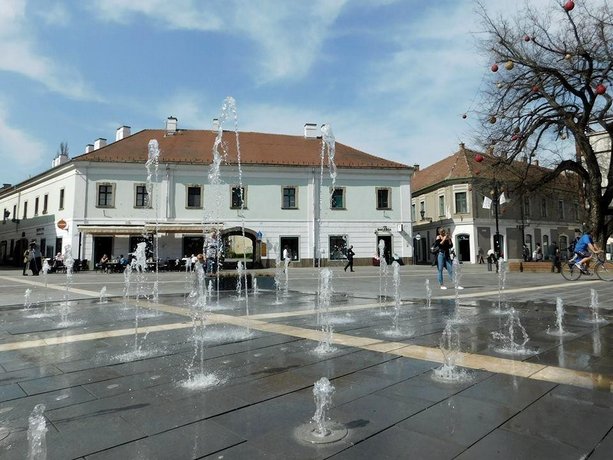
x=196, y=147
x=463, y=166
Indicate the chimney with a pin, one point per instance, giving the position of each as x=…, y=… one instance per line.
x=99, y=143
x=89, y=148
x=215, y=125
x=122, y=132
x=310, y=131
x=416, y=168
x=536, y=162
x=171, y=126
x=59, y=160
x=462, y=148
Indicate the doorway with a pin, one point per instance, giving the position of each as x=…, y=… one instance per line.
x=463, y=242
x=193, y=245
x=387, y=251
x=102, y=245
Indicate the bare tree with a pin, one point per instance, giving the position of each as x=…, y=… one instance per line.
x=551, y=72
x=63, y=150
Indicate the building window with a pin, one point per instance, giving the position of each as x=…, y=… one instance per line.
x=238, y=198
x=25, y=210
x=289, y=198
x=36, y=202
x=14, y=212
x=528, y=241
x=45, y=203
x=194, y=196
x=461, y=203
x=441, y=206
x=527, y=210
x=338, y=247
x=563, y=245
x=337, y=199
x=543, y=207
x=141, y=196
x=384, y=198
x=576, y=210
x=105, y=196
x=61, y=199
x=422, y=209
x=413, y=211
x=561, y=209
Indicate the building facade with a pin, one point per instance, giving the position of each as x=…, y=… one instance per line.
x=272, y=191
x=476, y=197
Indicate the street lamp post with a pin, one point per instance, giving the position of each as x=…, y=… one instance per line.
x=496, y=200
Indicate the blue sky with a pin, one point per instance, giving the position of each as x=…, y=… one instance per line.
x=392, y=78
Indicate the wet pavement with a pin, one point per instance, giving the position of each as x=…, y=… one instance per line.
x=239, y=385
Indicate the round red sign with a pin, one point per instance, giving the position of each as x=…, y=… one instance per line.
x=61, y=224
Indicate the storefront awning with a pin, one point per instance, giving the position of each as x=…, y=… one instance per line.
x=112, y=229
x=181, y=228
x=188, y=228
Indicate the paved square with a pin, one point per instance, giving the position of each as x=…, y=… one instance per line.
x=226, y=377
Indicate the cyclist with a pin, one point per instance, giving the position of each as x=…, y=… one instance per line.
x=583, y=251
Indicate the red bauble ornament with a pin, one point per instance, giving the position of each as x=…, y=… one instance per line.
x=569, y=5
x=601, y=89
x=527, y=38
x=515, y=137
x=479, y=158
x=535, y=89
x=494, y=67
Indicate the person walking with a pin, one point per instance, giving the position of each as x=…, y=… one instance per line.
x=36, y=258
x=26, y=261
x=444, y=257
x=554, y=252
x=480, y=256
x=350, y=255
x=287, y=258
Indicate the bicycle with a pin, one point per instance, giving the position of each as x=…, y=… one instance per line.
x=601, y=267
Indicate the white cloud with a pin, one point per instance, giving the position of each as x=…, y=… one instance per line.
x=55, y=14
x=18, y=149
x=190, y=108
x=178, y=14
x=19, y=54
x=289, y=35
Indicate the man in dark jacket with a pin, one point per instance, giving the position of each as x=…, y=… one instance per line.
x=350, y=255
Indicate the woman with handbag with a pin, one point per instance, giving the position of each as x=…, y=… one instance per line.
x=444, y=257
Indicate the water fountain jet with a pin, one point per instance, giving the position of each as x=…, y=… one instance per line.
x=37, y=432
x=449, y=345
x=321, y=430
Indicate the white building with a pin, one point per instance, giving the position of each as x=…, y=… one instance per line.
x=98, y=202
